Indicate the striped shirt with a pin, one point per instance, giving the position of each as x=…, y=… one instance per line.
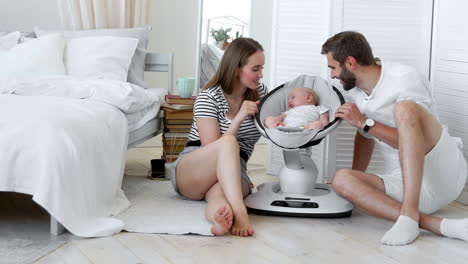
x=211, y=103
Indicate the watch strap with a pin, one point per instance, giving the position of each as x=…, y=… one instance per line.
x=366, y=128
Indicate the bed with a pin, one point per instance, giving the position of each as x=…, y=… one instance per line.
x=154, y=62
x=64, y=138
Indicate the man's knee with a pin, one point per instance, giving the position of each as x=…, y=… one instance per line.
x=407, y=110
x=342, y=181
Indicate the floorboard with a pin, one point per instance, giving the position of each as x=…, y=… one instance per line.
x=277, y=239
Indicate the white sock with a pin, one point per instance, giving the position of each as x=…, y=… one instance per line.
x=455, y=228
x=404, y=231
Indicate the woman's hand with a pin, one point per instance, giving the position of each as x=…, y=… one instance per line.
x=248, y=108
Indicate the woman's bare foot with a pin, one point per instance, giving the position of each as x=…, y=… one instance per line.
x=222, y=221
x=241, y=226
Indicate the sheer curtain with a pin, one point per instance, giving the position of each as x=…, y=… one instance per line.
x=93, y=14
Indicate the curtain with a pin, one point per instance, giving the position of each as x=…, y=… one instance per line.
x=94, y=14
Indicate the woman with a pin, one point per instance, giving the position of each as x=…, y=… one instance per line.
x=213, y=164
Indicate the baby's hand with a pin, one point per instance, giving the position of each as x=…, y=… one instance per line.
x=271, y=122
x=314, y=125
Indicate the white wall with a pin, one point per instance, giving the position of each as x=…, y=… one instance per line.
x=260, y=30
x=175, y=28
x=23, y=15
x=174, y=22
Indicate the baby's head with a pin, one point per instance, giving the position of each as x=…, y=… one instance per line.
x=302, y=96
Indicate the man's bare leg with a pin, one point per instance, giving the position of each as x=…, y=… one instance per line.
x=418, y=133
x=198, y=171
x=413, y=122
x=367, y=192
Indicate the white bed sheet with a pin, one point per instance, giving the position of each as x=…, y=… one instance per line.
x=139, y=119
x=64, y=142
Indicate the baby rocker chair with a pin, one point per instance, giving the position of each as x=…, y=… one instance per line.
x=298, y=193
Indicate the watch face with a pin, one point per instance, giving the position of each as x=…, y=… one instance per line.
x=369, y=122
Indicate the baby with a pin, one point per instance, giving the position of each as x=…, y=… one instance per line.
x=303, y=112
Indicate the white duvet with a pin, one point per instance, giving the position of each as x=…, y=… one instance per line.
x=64, y=142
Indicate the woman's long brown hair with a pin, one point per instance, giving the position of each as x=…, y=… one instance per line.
x=235, y=57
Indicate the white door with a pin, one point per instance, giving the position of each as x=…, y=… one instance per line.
x=450, y=69
x=300, y=28
x=397, y=31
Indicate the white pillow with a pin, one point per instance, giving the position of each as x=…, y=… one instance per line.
x=9, y=40
x=137, y=67
x=38, y=57
x=100, y=57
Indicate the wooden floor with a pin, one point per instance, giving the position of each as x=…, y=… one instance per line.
x=277, y=239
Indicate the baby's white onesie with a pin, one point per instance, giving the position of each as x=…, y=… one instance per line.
x=302, y=115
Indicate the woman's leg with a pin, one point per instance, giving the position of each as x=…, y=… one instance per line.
x=218, y=211
x=238, y=226
x=198, y=171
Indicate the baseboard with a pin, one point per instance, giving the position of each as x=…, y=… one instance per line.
x=152, y=143
x=463, y=198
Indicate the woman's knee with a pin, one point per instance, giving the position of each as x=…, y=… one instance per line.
x=228, y=142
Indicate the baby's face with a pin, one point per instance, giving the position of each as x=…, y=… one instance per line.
x=299, y=96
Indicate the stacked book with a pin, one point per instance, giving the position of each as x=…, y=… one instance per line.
x=178, y=118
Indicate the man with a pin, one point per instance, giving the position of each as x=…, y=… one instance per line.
x=394, y=107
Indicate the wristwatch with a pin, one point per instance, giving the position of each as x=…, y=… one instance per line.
x=368, y=124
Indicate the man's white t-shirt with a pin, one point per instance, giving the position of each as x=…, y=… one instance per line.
x=397, y=83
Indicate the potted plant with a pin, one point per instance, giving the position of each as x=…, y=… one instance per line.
x=221, y=36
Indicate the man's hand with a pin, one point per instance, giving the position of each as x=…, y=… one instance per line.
x=352, y=115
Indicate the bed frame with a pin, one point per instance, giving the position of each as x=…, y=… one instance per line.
x=155, y=62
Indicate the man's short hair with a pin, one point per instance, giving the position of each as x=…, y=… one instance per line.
x=349, y=43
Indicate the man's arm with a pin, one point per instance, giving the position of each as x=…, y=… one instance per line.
x=363, y=149
x=353, y=116
x=384, y=133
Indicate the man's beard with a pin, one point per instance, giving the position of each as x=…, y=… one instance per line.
x=347, y=78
